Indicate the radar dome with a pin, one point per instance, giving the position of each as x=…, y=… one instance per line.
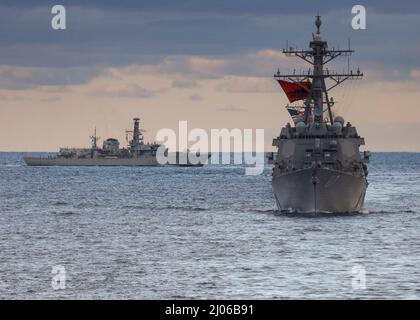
x=339, y=119
x=300, y=127
x=337, y=126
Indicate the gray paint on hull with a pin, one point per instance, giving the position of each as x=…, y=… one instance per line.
x=142, y=161
x=335, y=191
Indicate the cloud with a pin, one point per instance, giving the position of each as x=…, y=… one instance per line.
x=122, y=90
x=114, y=33
x=189, y=68
x=205, y=39
x=21, y=78
x=399, y=86
x=196, y=97
x=220, y=7
x=183, y=83
x=188, y=71
x=247, y=84
x=415, y=74
x=9, y=96
x=231, y=109
x=13, y=95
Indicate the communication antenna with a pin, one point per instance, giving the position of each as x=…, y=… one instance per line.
x=348, y=56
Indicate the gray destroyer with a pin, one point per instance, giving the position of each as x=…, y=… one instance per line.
x=319, y=167
x=137, y=153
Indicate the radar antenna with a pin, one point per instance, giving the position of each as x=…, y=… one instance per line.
x=137, y=136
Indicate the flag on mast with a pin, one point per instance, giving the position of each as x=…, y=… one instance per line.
x=296, y=90
x=296, y=114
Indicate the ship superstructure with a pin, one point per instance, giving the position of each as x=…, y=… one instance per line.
x=318, y=167
x=137, y=153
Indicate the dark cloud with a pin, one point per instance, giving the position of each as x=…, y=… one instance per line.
x=21, y=78
x=103, y=33
x=226, y=6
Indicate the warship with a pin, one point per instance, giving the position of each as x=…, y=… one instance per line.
x=137, y=153
x=319, y=166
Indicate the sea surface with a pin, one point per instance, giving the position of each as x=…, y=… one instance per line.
x=209, y=233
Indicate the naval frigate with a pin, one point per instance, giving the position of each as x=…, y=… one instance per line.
x=137, y=153
x=319, y=167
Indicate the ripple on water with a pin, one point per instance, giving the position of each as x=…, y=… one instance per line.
x=210, y=232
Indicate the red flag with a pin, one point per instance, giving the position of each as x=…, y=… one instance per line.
x=296, y=91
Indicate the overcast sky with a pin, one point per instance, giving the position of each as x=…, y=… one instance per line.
x=209, y=62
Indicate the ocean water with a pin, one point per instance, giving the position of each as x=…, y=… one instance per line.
x=210, y=232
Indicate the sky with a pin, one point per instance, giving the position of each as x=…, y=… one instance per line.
x=208, y=62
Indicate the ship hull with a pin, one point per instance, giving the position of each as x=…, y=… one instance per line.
x=327, y=191
x=33, y=161
x=139, y=161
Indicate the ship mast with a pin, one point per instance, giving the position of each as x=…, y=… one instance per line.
x=137, y=141
x=136, y=132
x=94, y=139
x=318, y=55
